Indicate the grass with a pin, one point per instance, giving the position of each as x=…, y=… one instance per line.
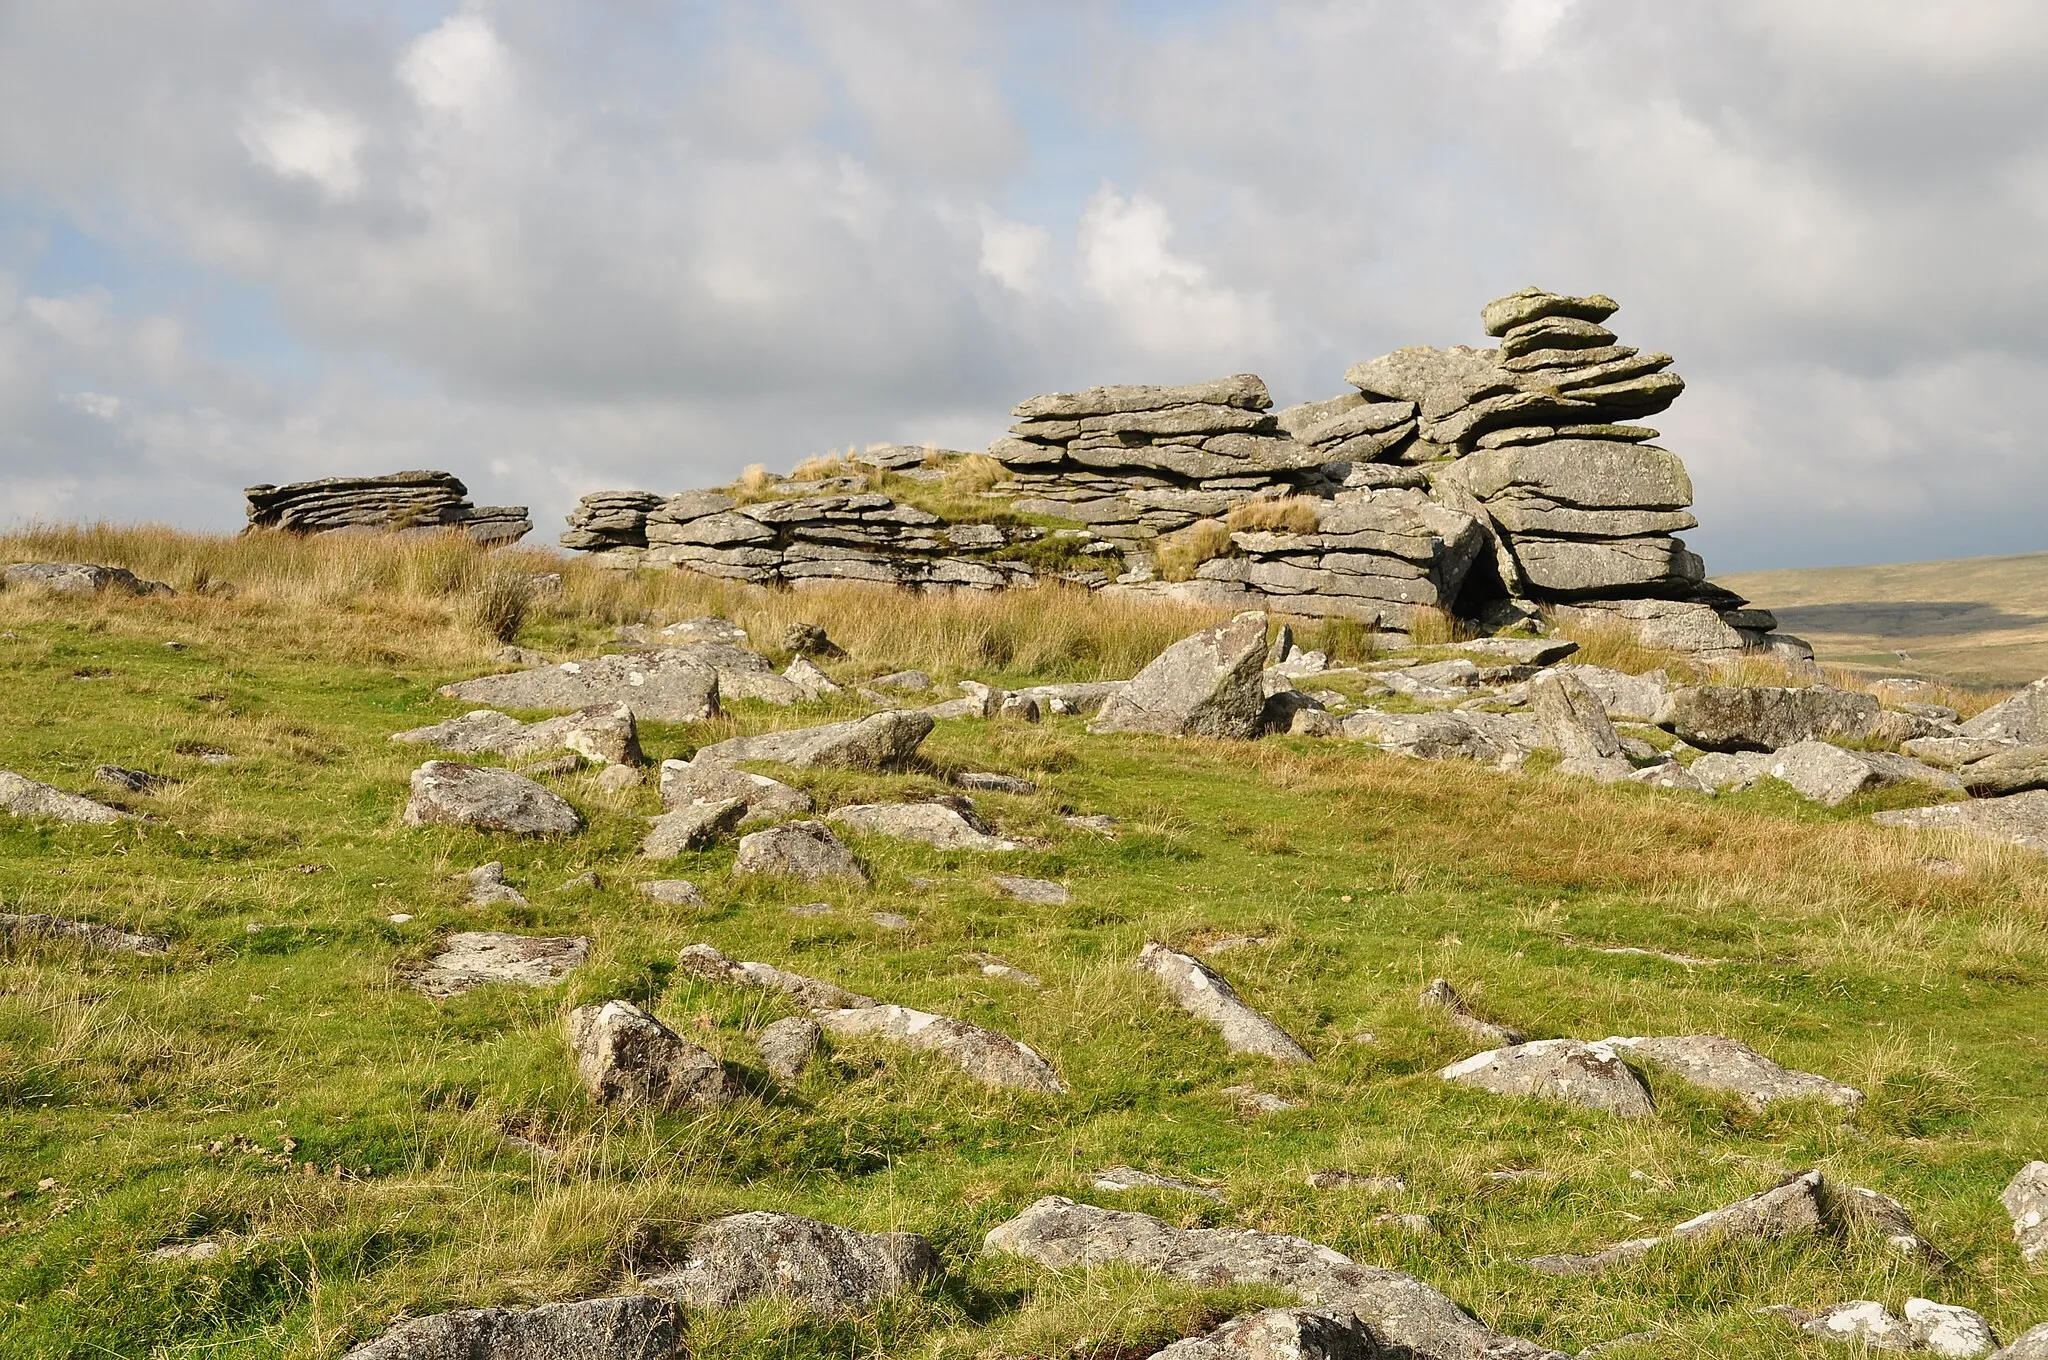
x=272, y=1084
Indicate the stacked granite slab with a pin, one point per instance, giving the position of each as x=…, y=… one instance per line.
x=397, y=502
x=612, y=524
x=1373, y=556
x=1133, y=462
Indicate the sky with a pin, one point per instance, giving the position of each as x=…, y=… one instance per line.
x=557, y=246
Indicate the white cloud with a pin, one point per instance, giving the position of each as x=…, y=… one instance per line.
x=1014, y=253
x=297, y=141
x=459, y=68
x=1166, y=302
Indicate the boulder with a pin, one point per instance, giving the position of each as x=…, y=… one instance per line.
x=1592, y=474
x=627, y=1057
x=670, y=685
x=20, y=927
x=445, y=793
x=1534, y=304
x=1576, y=723
x=2032, y=1346
x=685, y=782
x=1668, y=625
x=934, y=824
x=1207, y=685
x=2026, y=1202
x=1592, y=1075
x=1830, y=775
x=693, y=826
x=1765, y=718
x=672, y=892
x=605, y=734
x=990, y=1058
x=1722, y=1064
x=487, y=887
x=1731, y=771
x=1442, y=996
x=1943, y=1329
x=26, y=798
x=630, y=1327
x=1861, y=1322
x=1406, y=1316
x=1201, y=992
x=806, y=850
x=1629, y=698
x=78, y=578
x=880, y=741
x=477, y=958
x=2022, y=718
x=2021, y=819
x=1952, y=752
x=821, y=1267
x=1282, y=1334
x=706, y=962
x=2012, y=770
x=788, y=1045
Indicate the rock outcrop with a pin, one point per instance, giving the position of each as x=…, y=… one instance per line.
x=446, y=793
x=820, y=1267
x=397, y=502
x=477, y=958
x=630, y=1327
x=1207, y=685
x=78, y=578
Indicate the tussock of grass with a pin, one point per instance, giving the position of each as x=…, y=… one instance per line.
x=1181, y=552
x=975, y=473
x=1280, y=515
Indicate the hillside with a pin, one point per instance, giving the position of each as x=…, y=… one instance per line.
x=1974, y=621
x=354, y=1151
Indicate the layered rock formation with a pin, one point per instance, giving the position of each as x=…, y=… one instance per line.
x=1494, y=484
x=399, y=501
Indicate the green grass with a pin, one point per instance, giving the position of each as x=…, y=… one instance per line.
x=156, y=1096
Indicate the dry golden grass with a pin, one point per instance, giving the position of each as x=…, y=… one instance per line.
x=1432, y=627
x=1283, y=515
x=974, y=474
x=1180, y=553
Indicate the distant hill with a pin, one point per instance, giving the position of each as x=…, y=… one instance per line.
x=1973, y=621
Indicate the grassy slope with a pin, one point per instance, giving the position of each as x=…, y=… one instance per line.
x=144, y=1089
x=1978, y=621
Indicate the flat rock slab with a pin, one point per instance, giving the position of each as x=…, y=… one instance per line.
x=706, y=962
x=603, y=733
x=1766, y=718
x=880, y=741
x=2021, y=819
x=1401, y=1310
x=821, y=1267
x=1282, y=1334
x=478, y=958
x=1038, y=891
x=1794, y=1207
x=626, y=1057
x=692, y=826
x=630, y=1327
x=78, y=578
x=990, y=1058
x=1201, y=991
x=805, y=850
x=1118, y=1179
x=37, y=926
x=1592, y=1075
x=684, y=782
x=1829, y=775
x=986, y=781
x=1442, y=996
x=2026, y=1201
x=672, y=892
x=661, y=686
x=2023, y=718
x=445, y=793
x=1520, y=651
x=1722, y=1064
x=2014, y=769
x=26, y=798
x=934, y=824
x=1207, y=685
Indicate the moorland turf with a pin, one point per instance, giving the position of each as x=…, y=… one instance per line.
x=272, y=1083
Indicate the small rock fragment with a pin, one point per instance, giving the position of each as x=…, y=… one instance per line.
x=131, y=781
x=450, y=794
x=706, y=962
x=1444, y=997
x=991, y=1058
x=27, y=798
x=487, y=886
x=672, y=892
x=1038, y=891
x=1945, y=1330
x=1333, y=1179
x=788, y=1045
x=630, y=1327
x=39, y=926
x=693, y=826
x=475, y=958
x=1282, y=1334
x=935, y=824
x=2026, y=1201
x=984, y=781
x=1255, y=1101
x=1722, y=1064
x=1118, y=1179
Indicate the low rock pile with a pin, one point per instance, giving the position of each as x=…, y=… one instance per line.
x=397, y=502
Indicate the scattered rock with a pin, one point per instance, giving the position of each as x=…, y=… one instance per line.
x=806, y=850
x=1201, y=992
x=619, y=778
x=587, y=881
x=1039, y=891
x=27, y=798
x=1722, y=1064
x=891, y=920
x=627, y=1057
x=672, y=892
x=1443, y=996
x=993, y=967
x=605, y=734
x=1402, y=1312
x=78, y=578
x=880, y=741
x=1333, y=1179
x=1762, y=718
x=673, y=685
x=685, y=782
x=1207, y=685
x=2012, y=770
x=809, y=639
x=38, y=926
x=810, y=909
x=2021, y=819
x=788, y=1045
x=1731, y=771
x=1625, y=697
x=188, y=1253
x=1863, y=1321
x=914, y=682
x=935, y=824
x=706, y=962
x=1857, y=1206
x=630, y=1327
x=1282, y=1334
x=988, y=1057
x=1100, y=823
x=556, y=767
x=1577, y=725
x=477, y=958
x=447, y=794
x=2026, y=1201
x=1118, y=1179
x=693, y=826
x=131, y=781
x=982, y=781
x=1830, y=775
x=1520, y=651
x=487, y=886
x=2023, y=718
x=812, y=681
x=2032, y=1346
x=1254, y=1101
x=1586, y=1074
x=1669, y=774
x=1793, y=1207
x=821, y=1267
x=1946, y=1330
